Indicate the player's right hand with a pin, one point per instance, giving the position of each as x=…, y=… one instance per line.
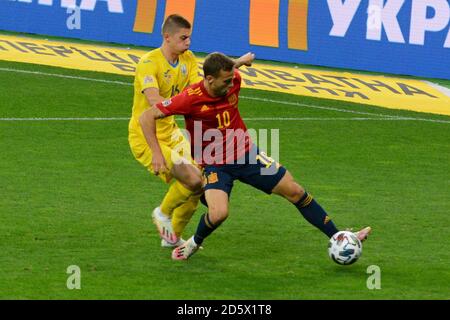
x=158, y=164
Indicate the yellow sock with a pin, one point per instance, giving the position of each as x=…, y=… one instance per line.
x=183, y=214
x=175, y=197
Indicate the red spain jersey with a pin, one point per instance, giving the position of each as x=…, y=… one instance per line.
x=218, y=134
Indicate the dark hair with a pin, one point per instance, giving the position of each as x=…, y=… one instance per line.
x=175, y=22
x=215, y=62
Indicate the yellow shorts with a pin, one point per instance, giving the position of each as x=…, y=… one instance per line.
x=175, y=150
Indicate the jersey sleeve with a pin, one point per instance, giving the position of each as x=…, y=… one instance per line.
x=146, y=74
x=194, y=71
x=179, y=104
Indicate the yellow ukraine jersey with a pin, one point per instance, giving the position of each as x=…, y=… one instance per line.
x=154, y=71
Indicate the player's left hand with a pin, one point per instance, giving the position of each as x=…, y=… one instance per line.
x=247, y=59
x=158, y=163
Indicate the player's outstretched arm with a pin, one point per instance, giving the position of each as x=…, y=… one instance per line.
x=152, y=95
x=244, y=60
x=148, y=125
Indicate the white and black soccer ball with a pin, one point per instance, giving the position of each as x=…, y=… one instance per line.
x=344, y=248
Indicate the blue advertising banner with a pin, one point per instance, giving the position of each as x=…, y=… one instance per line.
x=410, y=37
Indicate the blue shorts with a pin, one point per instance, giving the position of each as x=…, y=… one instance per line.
x=255, y=169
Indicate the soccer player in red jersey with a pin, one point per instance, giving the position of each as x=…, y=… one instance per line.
x=221, y=144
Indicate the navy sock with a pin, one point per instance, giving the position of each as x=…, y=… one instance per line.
x=203, y=200
x=205, y=228
x=316, y=215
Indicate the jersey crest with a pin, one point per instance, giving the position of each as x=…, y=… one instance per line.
x=183, y=70
x=232, y=99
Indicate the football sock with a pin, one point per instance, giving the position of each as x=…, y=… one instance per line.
x=205, y=228
x=316, y=215
x=183, y=214
x=175, y=197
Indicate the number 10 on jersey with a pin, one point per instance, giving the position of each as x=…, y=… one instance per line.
x=223, y=120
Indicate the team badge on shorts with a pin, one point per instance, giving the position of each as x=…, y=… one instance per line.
x=212, y=177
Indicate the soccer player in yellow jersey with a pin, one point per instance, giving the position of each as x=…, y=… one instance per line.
x=161, y=74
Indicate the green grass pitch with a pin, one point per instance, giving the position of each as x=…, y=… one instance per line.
x=72, y=194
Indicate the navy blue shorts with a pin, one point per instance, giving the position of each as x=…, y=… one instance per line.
x=255, y=169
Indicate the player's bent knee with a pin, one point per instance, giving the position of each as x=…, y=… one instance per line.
x=289, y=188
x=194, y=183
x=293, y=192
x=189, y=176
x=217, y=215
x=297, y=193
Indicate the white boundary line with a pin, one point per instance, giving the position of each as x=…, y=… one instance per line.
x=245, y=119
x=297, y=104
x=388, y=118
x=383, y=117
x=440, y=88
x=65, y=119
x=65, y=76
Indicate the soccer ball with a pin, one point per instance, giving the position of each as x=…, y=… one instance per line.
x=344, y=247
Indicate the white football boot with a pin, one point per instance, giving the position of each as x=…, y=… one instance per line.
x=186, y=250
x=166, y=244
x=164, y=225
